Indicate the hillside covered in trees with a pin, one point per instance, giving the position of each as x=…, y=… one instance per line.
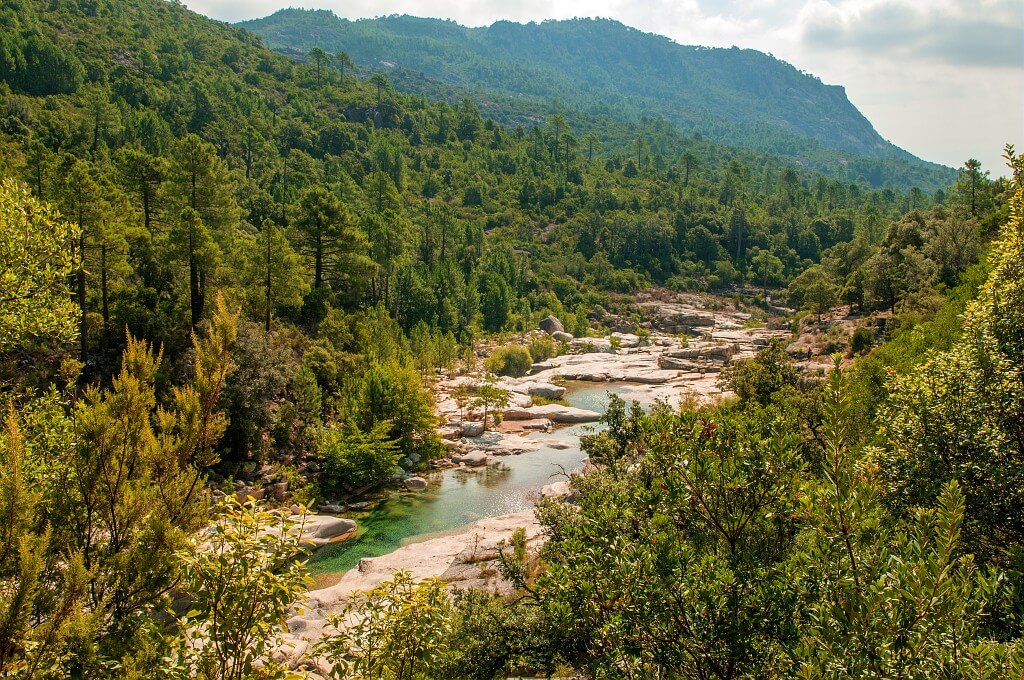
x=601, y=68
x=225, y=273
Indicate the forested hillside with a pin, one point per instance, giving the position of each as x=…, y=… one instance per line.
x=601, y=68
x=225, y=273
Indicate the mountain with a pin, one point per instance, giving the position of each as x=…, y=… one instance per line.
x=604, y=68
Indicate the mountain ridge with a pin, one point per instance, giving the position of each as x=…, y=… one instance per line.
x=738, y=96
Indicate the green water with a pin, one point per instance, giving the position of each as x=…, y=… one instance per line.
x=455, y=498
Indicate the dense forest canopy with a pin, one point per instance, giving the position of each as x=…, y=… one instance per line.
x=225, y=270
x=598, y=68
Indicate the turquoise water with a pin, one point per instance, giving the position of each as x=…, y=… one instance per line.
x=456, y=498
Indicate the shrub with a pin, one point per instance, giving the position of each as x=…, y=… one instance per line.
x=243, y=581
x=542, y=348
x=352, y=459
x=395, y=395
x=514, y=361
x=400, y=629
x=862, y=340
x=758, y=378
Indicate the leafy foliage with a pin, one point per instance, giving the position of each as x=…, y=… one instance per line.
x=242, y=577
x=354, y=460
x=398, y=631
x=35, y=302
x=511, y=360
x=958, y=417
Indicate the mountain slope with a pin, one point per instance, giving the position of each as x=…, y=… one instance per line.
x=598, y=66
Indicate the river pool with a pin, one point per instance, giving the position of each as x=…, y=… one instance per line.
x=456, y=498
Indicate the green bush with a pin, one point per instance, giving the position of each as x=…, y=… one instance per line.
x=542, y=348
x=351, y=459
x=514, y=361
x=862, y=340
x=394, y=396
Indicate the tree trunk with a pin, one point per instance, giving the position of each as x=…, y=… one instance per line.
x=567, y=160
x=194, y=292
x=103, y=291
x=444, y=238
x=266, y=320
x=318, y=261
x=284, y=187
x=80, y=286
x=146, y=209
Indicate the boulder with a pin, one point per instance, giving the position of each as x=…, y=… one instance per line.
x=414, y=457
x=562, y=336
x=724, y=352
x=323, y=529
x=415, y=484
x=673, y=364
x=570, y=414
x=557, y=490
x=332, y=527
x=546, y=390
x=255, y=494
x=556, y=413
x=686, y=353
x=331, y=509
x=551, y=325
x=474, y=458
x=520, y=399
x=472, y=429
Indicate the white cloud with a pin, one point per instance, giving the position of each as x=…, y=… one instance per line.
x=986, y=33
x=941, y=78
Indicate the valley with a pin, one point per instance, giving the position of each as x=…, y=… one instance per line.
x=319, y=341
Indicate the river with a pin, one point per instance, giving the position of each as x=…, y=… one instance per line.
x=456, y=498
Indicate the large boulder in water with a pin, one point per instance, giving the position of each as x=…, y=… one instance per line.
x=415, y=484
x=556, y=413
x=545, y=390
x=475, y=458
x=323, y=529
x=551, y=325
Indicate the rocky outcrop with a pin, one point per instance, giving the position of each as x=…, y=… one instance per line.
x=625, y=339
x=464, y=559
x=433, y=558
x=561, y=490
x=556, y=413
x=592, y=345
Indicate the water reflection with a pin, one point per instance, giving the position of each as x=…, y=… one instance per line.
x=455, y=498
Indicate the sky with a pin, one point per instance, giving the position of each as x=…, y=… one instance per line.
x=943, y=79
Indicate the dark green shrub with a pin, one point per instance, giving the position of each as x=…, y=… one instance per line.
x=862, y=340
